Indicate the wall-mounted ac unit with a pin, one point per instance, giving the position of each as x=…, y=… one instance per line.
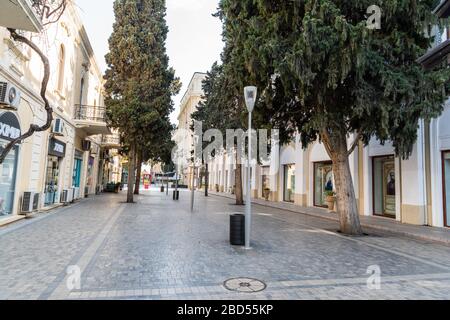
x=36, y=198
x=86, y=145
x=58, y=126
x=67, y=196
x=28, y=202
x=9, y=96
x=76, y=193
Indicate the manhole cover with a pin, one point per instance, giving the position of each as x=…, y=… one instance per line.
x=245, y=285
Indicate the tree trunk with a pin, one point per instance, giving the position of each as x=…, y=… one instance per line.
x=345, y=191
x=138, y=173
x=131, y=173
x=238, y=190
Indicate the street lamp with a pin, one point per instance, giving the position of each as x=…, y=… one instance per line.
x=250, y=94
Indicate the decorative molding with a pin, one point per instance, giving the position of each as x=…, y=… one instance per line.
x=16, y=70
x=13, y=47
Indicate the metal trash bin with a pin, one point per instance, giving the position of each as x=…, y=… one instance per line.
x=176, y=195
x=162, y=189
x=237, y=230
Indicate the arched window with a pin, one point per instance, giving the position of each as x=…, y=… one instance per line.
x=61, y=65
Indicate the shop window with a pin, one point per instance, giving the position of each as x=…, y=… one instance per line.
x=323, y=182
x=384, y=188
x=265, y=181
x=289, y=183
x=446, y=178
x=8, y=171
x=51, y=184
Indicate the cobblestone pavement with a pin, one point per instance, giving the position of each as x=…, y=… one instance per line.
x=158, y=249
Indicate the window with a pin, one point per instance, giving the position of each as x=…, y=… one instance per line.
x=265, y=182
x=446, y=189
x=289, y=183
x=384, y=193
x=323, y=182
x=81, y=91
x=61, y=66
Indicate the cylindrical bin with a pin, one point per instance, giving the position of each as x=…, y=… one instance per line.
x=237, y=230
x=176, y=195
x=162, y=189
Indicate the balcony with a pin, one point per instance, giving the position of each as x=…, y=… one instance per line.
x=21, y=15
x=91, y=119
x=111, y=141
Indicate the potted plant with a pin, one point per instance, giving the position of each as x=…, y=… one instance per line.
x=330, y=198
x=266, y=194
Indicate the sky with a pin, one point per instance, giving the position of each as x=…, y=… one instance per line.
x=194, y=41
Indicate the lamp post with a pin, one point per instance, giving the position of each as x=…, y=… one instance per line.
x=250, y=94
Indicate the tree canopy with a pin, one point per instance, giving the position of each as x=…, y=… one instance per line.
x=324, y=74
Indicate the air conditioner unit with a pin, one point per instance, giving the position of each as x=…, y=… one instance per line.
x=86, y=145
x=36, y=198
x=70, y=195
x=58, y=126
x=67, y=196
x=76, y=193
x=28, y=199
x=9, y=96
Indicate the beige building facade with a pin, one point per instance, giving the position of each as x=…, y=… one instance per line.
x=67, y=162
x=184, y=136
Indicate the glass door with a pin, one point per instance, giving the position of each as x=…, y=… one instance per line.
x=384, y=188
x=323, y=182
x=8, y=171
x=51, y=184
x=76, y=178
x=289, y=183
x=446, y=189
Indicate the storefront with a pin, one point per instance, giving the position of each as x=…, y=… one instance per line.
x=56, y=153
x=384, y=187
x=446, y=189
x=323, y=182
x=9, y=130
x=289, y=183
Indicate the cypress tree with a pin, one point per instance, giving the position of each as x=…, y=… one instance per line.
x=139, y=82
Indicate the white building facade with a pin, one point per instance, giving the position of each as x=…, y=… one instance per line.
x=67, y=161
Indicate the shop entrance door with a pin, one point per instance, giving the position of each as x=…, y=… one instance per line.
x=51, y=184
x=384, y=187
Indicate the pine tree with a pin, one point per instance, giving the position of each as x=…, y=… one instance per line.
x=323, y=72
x=139, y=83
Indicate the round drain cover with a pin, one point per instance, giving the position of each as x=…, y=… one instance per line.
x=247, y=285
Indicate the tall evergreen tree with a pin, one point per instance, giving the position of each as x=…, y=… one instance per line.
x=220, y=110
x=139, y=82
x=323, y=72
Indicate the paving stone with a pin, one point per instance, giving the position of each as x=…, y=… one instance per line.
x=158, y=249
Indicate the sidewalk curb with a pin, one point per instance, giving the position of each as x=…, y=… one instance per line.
x=439, y=238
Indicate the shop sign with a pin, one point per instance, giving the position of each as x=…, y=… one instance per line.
x=9, y=126
x=57, y=148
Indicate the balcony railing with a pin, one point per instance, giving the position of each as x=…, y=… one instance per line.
x=90, y=113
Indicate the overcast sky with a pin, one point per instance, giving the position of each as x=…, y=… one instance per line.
x=194, y=41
